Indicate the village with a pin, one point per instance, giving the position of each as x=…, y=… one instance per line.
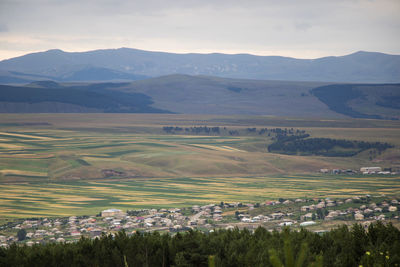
x=318, y=215
x=363, y=170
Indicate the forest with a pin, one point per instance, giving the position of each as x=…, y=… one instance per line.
x=93, y=96
x=377, y=245
x=216, y=130
x=301, y=144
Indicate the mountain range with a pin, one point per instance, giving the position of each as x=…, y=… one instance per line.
x=131, y=64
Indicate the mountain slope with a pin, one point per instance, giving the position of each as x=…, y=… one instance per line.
x=208, y=95
x=57, y=64
x=213, y=95
x=372, y=101
x=51, y=97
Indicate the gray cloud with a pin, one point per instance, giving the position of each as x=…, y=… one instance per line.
x=3, y=27
x=308, y=28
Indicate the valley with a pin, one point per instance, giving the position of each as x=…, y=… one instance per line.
x=88, y=162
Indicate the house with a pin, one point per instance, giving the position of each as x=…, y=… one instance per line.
x=372, y=205
x=328, y=218
x=217, y=217
x=285, y=223
x=307, y=223
x=333, y=213
x=358, y=216
x=384, y=204
x=381, y=217
x=306, y=216
x=369, y=170
x=112, y=213
x=277, y=215
x=377, y=209
x=196, y=208
x=305, y=208
x=201, y=221
x=392, y=208
x=29, y=235
x=246, y=220
x=75, y=233
x=368, y=211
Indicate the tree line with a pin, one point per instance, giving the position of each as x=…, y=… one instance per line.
x=301, y=144
x=379, y=245
x=217, y=130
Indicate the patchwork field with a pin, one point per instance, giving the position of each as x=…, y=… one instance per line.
x=64, y=164
x=90, y=197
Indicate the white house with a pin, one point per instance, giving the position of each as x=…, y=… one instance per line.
x=112, y=213
x=307, y=223
x=370, y=169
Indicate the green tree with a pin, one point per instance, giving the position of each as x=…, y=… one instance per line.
x=21, y=234
x=289, y=258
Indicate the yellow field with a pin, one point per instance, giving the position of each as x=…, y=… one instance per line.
x=22, y=173
x=86, y=197
x=82, y=163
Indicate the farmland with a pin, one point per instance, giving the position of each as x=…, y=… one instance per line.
x=72, y=164
x=90, y=197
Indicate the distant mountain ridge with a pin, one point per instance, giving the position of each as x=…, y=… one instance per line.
x=134, y=64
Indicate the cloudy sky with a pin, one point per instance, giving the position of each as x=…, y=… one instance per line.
x=297, y=28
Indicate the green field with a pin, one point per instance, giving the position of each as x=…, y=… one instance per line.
x=90, y=197
x=66, y=164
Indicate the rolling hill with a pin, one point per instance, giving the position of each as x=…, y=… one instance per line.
x=51, y=97
x=371, y=101
x=133, y=64
x=187, y=94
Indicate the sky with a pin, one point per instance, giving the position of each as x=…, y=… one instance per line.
x=294, y=28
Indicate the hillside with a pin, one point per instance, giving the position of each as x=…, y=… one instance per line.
x=133, y=64
x=49, y=97
x=211, y=95
x=186, y=94
x=372, y=101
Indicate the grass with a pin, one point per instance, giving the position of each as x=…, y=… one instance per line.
x=46, y=168
x=90, y=197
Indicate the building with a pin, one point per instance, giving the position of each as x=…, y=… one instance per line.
x=358, y=216
x=392, y=208
x=112, y=213
x=285, y=223
x=307, y=223
x=367, y=170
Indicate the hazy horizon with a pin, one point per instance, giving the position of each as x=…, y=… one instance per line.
x=205, y=53
x=311, y=29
